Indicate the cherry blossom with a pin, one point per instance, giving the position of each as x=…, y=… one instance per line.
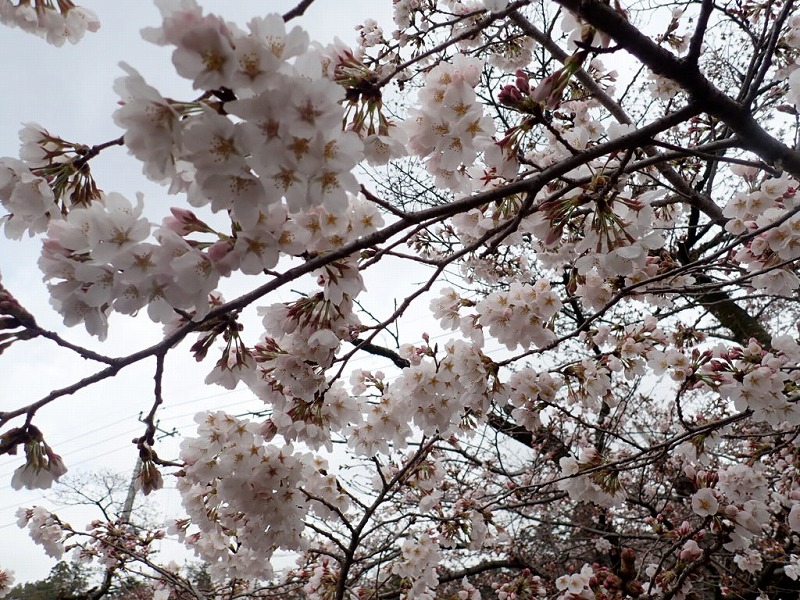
x=704, y=503
x=56, y=23
x=151, y=122
x=6, y=582
x=42, y=466
x=44, y=528
x=589, y=388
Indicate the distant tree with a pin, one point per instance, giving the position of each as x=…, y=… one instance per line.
x=67, y=580
x=110, y=493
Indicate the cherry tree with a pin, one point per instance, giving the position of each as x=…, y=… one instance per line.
x=600, y=201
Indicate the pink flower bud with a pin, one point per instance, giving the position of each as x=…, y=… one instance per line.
x=684, y=528
x=509, y=96
x=149, y=478
x=522, y=82
x=690, y=551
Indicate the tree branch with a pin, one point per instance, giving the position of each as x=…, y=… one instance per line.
x=696, y=43
x=701, y=91
x=298, y=10
x=693, y=197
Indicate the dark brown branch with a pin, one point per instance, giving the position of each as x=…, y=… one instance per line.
x=491, y=565
x=31, y=409
x=696, y=43
x=693, y=197
x=79, y=350
x=551, y=445
x=149, y=436
x=730, y=315
x=98, y=592
x=766, y=51
x=298, y=10
x=399, y=361
x=707, y=96
x=95, y=150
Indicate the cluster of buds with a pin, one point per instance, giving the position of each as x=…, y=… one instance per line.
x=114, y=543
x=56, y=21
x=524, y=586
x=42, y=466
x=14, y=316
x=622, y=580
x=148, y=479
x=63, y=164
x=518, y=95
x=549, y=91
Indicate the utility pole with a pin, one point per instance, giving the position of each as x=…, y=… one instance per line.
x=127, y=508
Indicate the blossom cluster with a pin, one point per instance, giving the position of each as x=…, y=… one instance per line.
x=517, y=317
x=57, y=24
x=438, y=392
x=755, y=379
x=52, y=178
x=617, y=233
x=449, y=128
x=27, y=198
x=576, y=584
x=44, y=528
x=100, y=259
x=268, y=150
x=287, y=142
x=420, y=558
x=42, y=466
x=599, y=485
x=300, y=342
x=768, y=214
x=738, y=509
x=322, y=581
x=383, y=424
x=528, y=393
x=239, y=490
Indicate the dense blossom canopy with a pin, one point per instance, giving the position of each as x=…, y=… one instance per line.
x=601, y=201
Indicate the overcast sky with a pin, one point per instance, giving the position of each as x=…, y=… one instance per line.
x=68, y=90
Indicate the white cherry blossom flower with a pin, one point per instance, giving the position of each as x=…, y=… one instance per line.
x=6, y=582
x=794, y=518
x=704, y=502
x=205, y=53
x=152, y=126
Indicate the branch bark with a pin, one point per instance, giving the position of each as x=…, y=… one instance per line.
x=700, y=90
x=703, y=202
